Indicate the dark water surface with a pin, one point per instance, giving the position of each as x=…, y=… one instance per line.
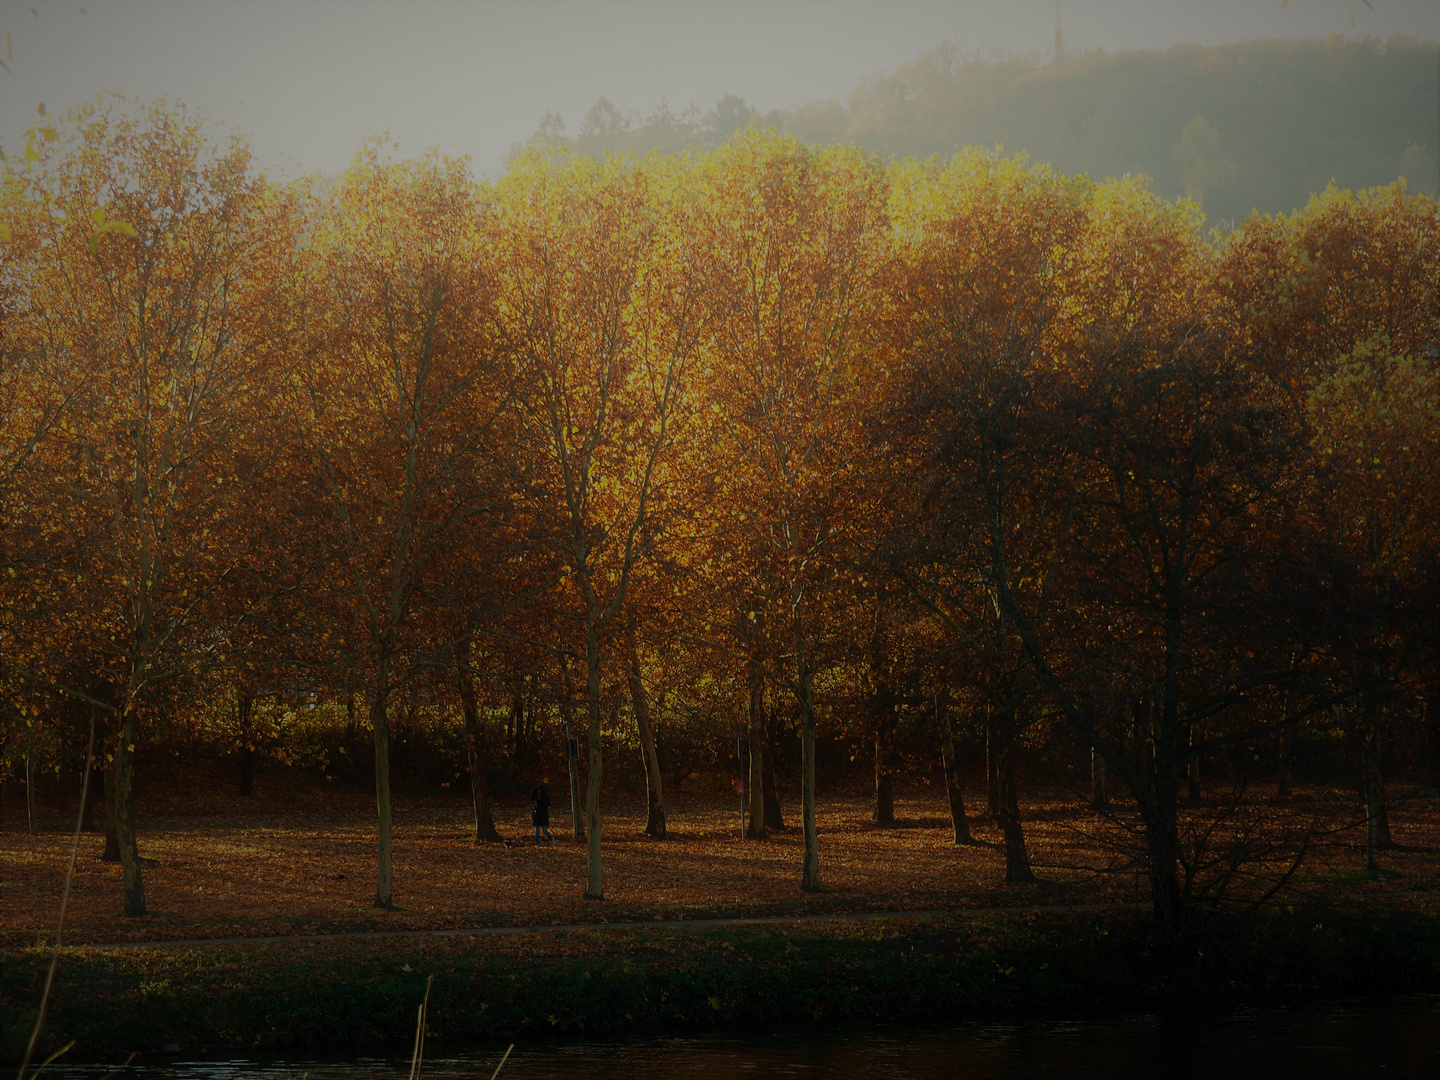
x=1397, y=1037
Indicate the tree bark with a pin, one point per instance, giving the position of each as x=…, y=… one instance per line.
x=810, y=871
x=572, y=764
x=755, y=715
x=380, y=728
x=640, y=704
x=247, y=750
x=1163, y=849
x=477, y=759
x=1377, y=820
x=595, y=871
x=112, y=833
x=1192, y=773
x=959, y=822
x=774, y=816
x=992, y=773
x=1432, y=732
x=124, y=816
x=1161, y=741
x=1017, y=859
x=30, y=794
x=1098, y=799
x=1286, y=781
x=94, y=796
x=516, y=728
x=882, y=704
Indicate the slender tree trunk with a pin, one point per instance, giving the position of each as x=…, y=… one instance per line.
x=572, y=764
x=112, y=831
x=478, y=759
x=124, y=816
x=883, y=711
x=595, y=871
x=513, y=728
x=992, y=773
x=1286, y=782
x=351, y=727
x=380, y=728
x=810, y=872
x=30, y=793
x=1161, y=740
x=1163, y=849
x=1099, y=800
x=774, y=814
x=1377, y=821
x=959, y=822
x=94, y=796
x=1432, y=732
x=1017, y=859
x=247, y=749
x=755, y=715
x=640, y=704
x=1192, y=773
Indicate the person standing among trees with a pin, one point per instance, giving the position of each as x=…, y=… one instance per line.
x=540, y=813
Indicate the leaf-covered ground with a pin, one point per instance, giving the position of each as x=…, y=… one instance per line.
x=303, y=862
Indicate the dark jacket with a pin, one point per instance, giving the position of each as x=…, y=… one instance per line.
x=540, y=806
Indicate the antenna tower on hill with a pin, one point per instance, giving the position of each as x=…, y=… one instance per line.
x=1059, y=38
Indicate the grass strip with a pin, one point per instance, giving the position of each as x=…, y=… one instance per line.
x=315, y=995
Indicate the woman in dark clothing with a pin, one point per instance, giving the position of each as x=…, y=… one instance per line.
x=540, y=813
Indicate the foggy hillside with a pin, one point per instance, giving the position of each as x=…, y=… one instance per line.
x=1261, y=124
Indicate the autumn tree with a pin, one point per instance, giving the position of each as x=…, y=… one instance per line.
x=157, y=261
x=1339, y=304
x=399, y=408
x=1179, y=457
x=795, y=237
x=972, y=447
x=600, y=283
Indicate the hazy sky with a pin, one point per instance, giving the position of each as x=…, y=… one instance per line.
x=308, y=79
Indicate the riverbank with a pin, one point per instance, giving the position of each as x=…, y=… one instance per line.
x=363, y=992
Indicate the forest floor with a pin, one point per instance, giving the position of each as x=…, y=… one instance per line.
x=291, y=862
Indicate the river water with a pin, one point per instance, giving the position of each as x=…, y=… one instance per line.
x=1398, y=1037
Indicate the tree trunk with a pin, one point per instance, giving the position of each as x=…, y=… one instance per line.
x=1192, y=773
x=247, y=749
x=124, y=816
x=1160, y=740
x=774, y=819
x=755, y=715
x=1163, y=849
x=572, y=764
x=477, y=759
x=1377, y=821
x=30, y=794
x=992, y=774
x=94, y=796
x=595, y=871
x=640, y=704
x=515, y=730
x=1432, y=732
x=1098, y=799
x=883, y=713
x=810, y=872
x=380, y=728
x=112, y=833
x=1017, y=859
x=959, y=823
x=1286, y=781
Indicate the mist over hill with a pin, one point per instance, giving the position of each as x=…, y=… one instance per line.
x=1257, y=125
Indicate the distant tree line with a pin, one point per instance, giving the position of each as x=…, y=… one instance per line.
x=703, y=441
x=1258, y=125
